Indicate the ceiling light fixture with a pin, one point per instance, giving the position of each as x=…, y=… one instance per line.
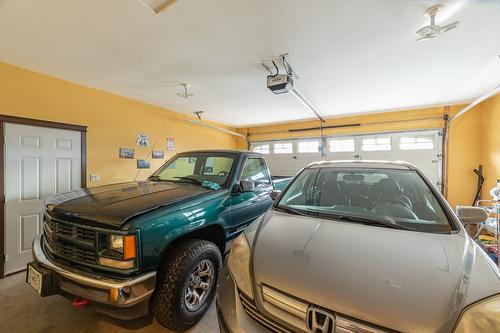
x=186, y=94
x=433, y=30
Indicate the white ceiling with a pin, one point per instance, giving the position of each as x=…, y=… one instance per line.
x=352, y=56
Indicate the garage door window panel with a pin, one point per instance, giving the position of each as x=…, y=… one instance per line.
x=416, y=143
x=308, y=147
x=283, y=148
x=377, y=144
x=341, y=145
x=261, y=148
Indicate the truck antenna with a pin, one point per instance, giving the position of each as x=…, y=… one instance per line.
x=146, y=159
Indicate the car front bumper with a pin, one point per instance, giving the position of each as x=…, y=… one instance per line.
x=119, y=298
x=230, y=311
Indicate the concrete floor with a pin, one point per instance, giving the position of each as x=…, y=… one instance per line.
x=22, y=310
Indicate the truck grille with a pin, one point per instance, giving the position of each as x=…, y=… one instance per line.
x=69, y=241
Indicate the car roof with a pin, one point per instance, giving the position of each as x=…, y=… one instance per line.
x=372, y=164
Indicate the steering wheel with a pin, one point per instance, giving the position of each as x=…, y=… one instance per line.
x=223, y=173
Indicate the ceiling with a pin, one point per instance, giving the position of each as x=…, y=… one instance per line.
x=352, y=56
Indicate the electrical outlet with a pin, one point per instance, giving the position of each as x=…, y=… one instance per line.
x=94, y=177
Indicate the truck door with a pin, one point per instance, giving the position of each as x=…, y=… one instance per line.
x=247, y=206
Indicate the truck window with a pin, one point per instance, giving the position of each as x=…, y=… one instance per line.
x=255, y=170
x=198, y=168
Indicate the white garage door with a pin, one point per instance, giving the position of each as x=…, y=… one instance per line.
x=420, y=148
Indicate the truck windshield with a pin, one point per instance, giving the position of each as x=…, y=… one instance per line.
x=382, y=197
x=196, y=168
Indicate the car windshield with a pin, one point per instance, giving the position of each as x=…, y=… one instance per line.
x=383, y=197
x=197, y=168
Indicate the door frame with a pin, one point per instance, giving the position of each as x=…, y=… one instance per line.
x=40, y=123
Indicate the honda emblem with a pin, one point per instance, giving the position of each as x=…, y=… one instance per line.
x=320, y=321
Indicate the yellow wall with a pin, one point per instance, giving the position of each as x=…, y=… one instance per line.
x=112, y=121
x=464, y=155
x=490, y=143
x=464, y=144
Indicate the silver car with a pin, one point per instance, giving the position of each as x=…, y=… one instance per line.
x=360, y=247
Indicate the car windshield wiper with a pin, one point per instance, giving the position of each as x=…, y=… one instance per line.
x=368, y=221
x=192, y=180
x=294, y=211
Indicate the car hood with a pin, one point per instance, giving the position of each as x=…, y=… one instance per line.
x=115, y=204
x=403, y=280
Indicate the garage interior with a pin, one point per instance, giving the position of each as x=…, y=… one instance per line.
x=97, y=76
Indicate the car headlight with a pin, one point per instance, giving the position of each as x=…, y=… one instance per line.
x=119, y=251
x=483, y=316
x=239, y=265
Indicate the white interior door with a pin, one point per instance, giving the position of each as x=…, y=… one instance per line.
x=39, y=162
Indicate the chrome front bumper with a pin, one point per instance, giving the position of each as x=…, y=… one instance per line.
x=124, y=293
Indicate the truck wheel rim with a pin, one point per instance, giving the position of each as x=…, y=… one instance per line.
x=199, y=285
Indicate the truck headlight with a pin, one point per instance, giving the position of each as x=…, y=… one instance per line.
x=116, y=243
x=119, y=252
x=239, y=265
x=483, y=316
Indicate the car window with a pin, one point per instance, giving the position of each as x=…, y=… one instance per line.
x=255, y=170
x=400, y=196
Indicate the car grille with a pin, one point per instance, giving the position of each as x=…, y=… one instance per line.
x=69, y=241
x=251, y=309
x=293, y=313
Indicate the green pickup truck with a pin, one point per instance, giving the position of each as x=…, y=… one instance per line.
x=151, y=247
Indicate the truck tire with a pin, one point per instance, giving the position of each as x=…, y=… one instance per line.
x=187, y=281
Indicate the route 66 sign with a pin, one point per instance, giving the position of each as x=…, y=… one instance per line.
x=143, y=140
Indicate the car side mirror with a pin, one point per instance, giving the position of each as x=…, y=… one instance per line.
x=471, y=215
x=247, y=186
x=274, y=194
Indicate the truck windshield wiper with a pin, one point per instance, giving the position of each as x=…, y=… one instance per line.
x=368, y=221
x=192, y=180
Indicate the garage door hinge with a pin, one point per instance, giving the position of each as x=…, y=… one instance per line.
x=440, y=155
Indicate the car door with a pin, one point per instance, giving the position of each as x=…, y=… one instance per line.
x=246, y=206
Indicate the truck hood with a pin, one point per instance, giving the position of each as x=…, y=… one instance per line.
x=403, y=280
x=115, y=204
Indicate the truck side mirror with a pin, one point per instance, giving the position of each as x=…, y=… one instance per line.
x=471, y=215
x=274, y=194
x=247, y=186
